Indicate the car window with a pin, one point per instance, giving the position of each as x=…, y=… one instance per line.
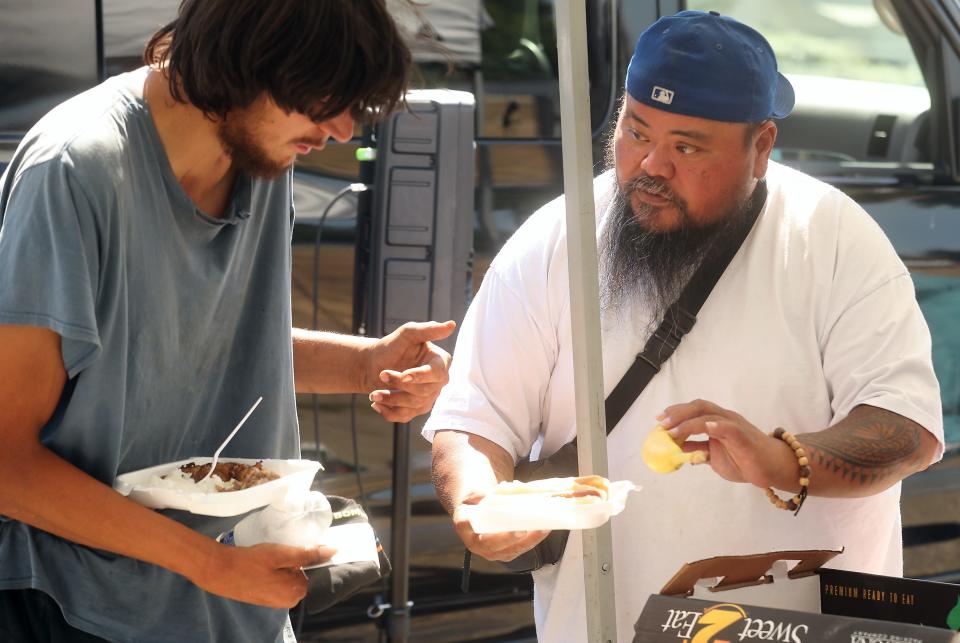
x=860, y=91
x=48, y=53
x=835, y=38
x=938, y=291
x=127, y=26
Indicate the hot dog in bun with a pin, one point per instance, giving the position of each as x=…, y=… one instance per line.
x=584, y=489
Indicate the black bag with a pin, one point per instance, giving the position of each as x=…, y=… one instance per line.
x=678, y=320
x=327, y=586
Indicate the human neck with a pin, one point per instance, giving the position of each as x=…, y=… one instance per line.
x=196, y=155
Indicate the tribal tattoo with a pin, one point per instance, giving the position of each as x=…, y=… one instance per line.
x=872, y=446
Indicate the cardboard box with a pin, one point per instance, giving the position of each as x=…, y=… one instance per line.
x=789, y=597
x=673, y=619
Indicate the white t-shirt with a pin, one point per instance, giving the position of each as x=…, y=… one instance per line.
x=815, y=315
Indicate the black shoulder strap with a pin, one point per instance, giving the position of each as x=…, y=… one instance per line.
x=679, y=318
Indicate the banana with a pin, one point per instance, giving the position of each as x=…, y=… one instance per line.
x=663, y=455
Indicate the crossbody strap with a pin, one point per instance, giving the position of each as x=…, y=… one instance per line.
x=679, y=318
x=677, y=322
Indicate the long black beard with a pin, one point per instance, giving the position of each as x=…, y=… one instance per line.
x=642, y=265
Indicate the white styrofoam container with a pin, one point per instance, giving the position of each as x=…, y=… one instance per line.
x=532, y=512
x=295, y=475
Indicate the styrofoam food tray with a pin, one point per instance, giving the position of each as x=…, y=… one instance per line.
x=532, y=512
x=294, y=475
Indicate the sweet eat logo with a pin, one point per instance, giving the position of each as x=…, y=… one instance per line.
x=715, y=619
x=729, y=623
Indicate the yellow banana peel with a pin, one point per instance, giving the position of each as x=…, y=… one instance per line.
x=663, y=455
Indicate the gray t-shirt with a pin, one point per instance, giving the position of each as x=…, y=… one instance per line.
x=173, y=323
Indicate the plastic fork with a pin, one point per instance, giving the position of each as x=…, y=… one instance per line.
x=216, y=455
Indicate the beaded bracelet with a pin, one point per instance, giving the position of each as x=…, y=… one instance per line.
x=793, y=504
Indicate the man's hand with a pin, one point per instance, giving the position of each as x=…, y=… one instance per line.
x=40, y=488
x=411, y=367
x=739, y=451
x=861, y=455
x=502, y=547
x=265, y=574
x=465, y=467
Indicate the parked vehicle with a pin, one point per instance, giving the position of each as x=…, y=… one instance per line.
x=877, y=90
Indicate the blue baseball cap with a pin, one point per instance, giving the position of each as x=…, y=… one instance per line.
x=700, y=63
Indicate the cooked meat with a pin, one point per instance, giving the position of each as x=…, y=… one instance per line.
x=243, y=475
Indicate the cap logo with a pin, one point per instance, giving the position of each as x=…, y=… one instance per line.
x=662, y=95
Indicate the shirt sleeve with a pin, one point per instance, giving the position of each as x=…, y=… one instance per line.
x=878, y=352
x=48, y=253
x=504, y=354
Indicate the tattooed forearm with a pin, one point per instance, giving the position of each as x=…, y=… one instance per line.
x=869, y=450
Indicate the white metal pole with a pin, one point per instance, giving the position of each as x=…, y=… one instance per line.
x=584, y=305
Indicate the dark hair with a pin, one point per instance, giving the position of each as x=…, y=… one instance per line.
x=315, y=57
x=750, y=130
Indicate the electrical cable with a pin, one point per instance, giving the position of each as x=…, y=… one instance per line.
x=350, y=189
x=356, y=453
x=353, y=187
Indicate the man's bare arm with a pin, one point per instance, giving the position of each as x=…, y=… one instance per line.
x=39, y=488
x=863, y=454
x=464, y=463
x=403, y=372
x=465, y=467
x=326, y=362
x=868, y=451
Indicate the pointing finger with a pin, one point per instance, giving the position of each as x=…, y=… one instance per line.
x=422, y=332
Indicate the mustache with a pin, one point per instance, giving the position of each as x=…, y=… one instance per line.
x=649, y=184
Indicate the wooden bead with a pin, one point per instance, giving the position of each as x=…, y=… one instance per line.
x=793, y=504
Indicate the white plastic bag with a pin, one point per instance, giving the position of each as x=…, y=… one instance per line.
x=300, y=520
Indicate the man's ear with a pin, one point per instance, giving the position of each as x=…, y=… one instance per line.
x=764, y=139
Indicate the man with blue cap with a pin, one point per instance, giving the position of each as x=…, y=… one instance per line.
x=808, y=369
